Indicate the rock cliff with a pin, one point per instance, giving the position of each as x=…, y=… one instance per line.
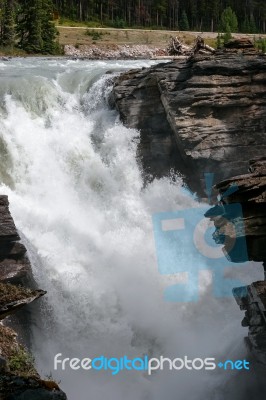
x=206, y=114
x=18, y=377
x=250, y=192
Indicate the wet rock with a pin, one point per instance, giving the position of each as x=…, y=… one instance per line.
x=249, y=192
x=13, y=298
x=17, y=380
x=252, y=299
x=8, y=231
x=22, y=388
x=3, y=364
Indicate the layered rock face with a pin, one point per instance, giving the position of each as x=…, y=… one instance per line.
x=206, y=114
x=18, y=378
x=14, y=263
x=250, y=192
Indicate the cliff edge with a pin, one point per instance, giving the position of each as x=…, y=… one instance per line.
x=204, y=114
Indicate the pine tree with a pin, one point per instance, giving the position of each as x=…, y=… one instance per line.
x=245, y=28
x=219, y=41
x=29, y=26
x=229, y=21
x=34, y=27
x=183, y=23
x=228, y=35
x=48, y=28
x=252, y=25
x=8, y=23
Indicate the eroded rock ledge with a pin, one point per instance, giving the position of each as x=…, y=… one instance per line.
x=18, y=377
x=206, y=114
x=250, y=192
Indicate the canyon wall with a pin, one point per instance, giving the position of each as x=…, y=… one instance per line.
x=205, y=114
x=18, y=377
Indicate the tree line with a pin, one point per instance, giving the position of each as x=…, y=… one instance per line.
x=29, y=24
x=199, y=15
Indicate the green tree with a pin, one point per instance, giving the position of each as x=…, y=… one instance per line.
x=219, y=41
x=29, y=25
x=229, y=20
x=7, y=37
x=245, y=26
x=183, y=23
x=227, y=35
x=252, y=25
x=48, y=29
x=35, y=30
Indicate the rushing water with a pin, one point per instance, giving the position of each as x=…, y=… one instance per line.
x=77, y=196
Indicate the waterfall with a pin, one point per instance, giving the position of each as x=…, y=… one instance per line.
x=76, y=194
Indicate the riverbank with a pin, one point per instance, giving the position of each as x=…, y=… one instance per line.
x=113, y=43
x=114, y=52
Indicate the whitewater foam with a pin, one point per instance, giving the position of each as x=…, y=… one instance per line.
x=76, y=193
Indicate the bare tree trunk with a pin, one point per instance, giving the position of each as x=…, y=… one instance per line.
x=80, y=11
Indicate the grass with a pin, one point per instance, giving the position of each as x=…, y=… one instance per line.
x=12, y=52
x=110, y=36
x=21, y=363
x=10, y=293
x=260, y=44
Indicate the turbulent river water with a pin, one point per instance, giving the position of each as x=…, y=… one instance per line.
x=76, y=194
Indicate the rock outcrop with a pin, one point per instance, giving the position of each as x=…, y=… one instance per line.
x=249, y=191
x=206, y=114
x=18, y=377
x=14, y=263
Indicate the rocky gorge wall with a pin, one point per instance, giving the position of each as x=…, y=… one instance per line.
x=248, y=191
x=205, y=114
x=18, y=377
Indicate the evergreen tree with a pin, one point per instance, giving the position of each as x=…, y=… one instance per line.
x=252, y=25
x=29, y=26
x=245, y=27
x=228, y=35
x=34, y=27
x=183, y=23
x=219, y=41
x=48, y=28
x=229, y=21
x=7, y=37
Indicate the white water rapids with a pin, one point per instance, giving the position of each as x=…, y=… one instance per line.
x=76, y=194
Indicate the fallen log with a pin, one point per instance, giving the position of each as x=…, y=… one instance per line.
x=177, y=48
